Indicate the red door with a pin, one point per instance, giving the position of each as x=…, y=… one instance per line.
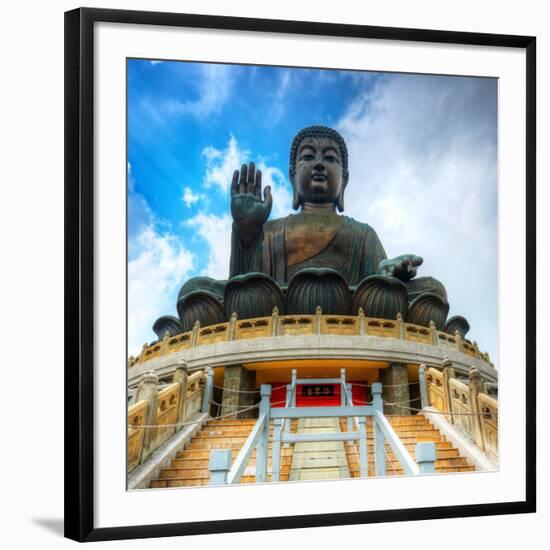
x=316, y=395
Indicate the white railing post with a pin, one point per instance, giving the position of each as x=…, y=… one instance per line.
x=425, y=457
x=219, y=466
x=294, y=388
x=276, y=452
x=208, y=389
x=349, y=403
x=286, y=421
x=343, y=387
x=423, y=386
x=363, y=451
x=379, y=451
x=262, y=448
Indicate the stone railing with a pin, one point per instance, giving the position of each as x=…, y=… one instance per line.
x=466, y=403
x=300, y=325
x=160, y=409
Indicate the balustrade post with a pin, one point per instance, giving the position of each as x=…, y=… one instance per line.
x=400, y=327
x=180, y=376
x=142, y=353
x=148, y=391
x=219, y=466
x=232, y=327
x=164, y=344
x=433, y=333
x=318, y=319
x=424, y=400
x=379, y=451
x=476, y=349
x=459, y=343
x=275, y=321
x=262, y=448
x=195, y=334
x=208, y=389
x=361, y=315
x=448, y=372
x=425, y=457
x=476, y=387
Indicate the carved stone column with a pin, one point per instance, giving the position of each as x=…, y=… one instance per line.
x=180, y=376
x=395, y=388
x=148, y=391
x=239, y=385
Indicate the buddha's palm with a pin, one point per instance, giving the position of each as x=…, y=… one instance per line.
x=248, y=209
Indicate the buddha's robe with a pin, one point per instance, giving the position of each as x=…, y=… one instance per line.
x=298, y=241
x=288, y=245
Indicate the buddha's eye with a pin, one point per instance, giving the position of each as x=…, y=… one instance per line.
x=307, y=157
x=331, y=158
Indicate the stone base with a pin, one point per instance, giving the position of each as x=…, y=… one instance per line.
x=237, y=379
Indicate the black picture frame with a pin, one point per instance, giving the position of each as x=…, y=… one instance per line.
x=79, y=272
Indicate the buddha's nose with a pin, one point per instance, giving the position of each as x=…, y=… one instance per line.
x=319, y=167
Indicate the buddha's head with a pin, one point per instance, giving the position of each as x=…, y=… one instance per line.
x=318, y=167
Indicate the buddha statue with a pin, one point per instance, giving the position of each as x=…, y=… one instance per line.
x=316, y=257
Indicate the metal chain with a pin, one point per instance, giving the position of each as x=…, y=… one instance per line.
x=147, y=426
x=234, y=390
x=359, y=385
x=438, y=412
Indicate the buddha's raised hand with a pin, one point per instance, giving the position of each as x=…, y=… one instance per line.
x=248, y=209
x=403, y=267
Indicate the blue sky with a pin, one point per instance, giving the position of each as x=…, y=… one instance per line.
x=423, y=172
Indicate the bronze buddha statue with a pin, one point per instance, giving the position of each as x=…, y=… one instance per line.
x=314, y=257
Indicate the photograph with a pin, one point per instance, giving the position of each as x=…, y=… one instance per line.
x=312, y=274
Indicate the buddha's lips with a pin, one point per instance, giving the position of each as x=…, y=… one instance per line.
x=319, y=177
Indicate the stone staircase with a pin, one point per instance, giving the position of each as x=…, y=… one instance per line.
x=190, y=467
x=411, y=430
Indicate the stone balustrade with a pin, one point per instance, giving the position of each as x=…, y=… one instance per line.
x=303, y=325
x=162, y=408
x=466, y=404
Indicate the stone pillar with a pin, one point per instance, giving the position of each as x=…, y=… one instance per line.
x=237, y=379
x=448, y=372
x=395, y=388
x=148, y=391
x=180, y=376
x=476, y=387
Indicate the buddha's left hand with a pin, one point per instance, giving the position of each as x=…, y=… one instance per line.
x=403, y=267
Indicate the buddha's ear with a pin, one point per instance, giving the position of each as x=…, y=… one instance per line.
x=340, y=198
x=295, y=197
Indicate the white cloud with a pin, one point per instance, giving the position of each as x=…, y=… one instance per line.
x=278, y=103
x=160, y=266
x=214, y=84
x=189, y=198
x=216, y=232
x=423, y=174
x=220, y=165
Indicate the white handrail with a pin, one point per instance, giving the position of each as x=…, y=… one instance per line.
x=399, y=450
x=241, y=461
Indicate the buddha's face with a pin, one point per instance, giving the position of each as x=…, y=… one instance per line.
x=318, y=172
